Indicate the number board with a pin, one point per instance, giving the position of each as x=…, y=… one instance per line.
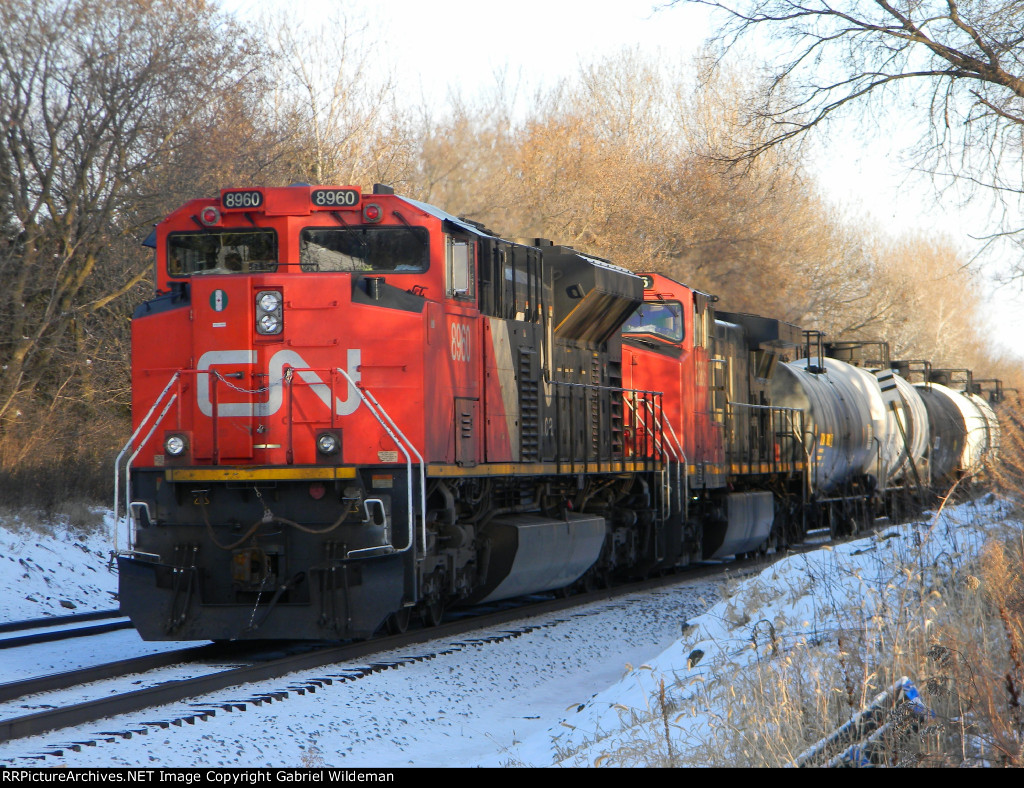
x=241, y=199
x=333, y=199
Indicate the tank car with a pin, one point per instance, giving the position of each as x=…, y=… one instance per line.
x=964, y=429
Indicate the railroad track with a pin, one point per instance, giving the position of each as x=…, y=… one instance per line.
x=169, y=692
x=14, y=634
x=50, y=621
x=308, y=657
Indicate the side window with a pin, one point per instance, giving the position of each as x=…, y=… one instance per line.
x=518, y=281
x=461, y=259
x=522, y=283
x=661, y=318
x=698, y=326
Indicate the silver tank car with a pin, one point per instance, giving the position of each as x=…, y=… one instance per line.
x=948, y=433
x=837, y=408
x=982, y=438
x=964, y=431
x=854, y=433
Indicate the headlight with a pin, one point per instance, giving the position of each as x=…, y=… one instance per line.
x=175, y=445
x=269, y=312
x=269, y=301
x=327, y=443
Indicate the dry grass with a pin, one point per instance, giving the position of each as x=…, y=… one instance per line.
x=80, y=516
x=57, y=454
x=952, y=623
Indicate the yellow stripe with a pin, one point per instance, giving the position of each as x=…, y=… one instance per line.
x=538, y=468
x=759, y=468
x=226, y=474
x=257, y=474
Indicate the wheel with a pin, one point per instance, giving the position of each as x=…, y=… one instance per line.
x=398, y=622
x=433, y=611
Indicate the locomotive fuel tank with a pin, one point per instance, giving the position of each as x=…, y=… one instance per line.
x=743, y=527
x=531, y=554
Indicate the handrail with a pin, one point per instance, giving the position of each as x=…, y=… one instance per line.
x=655, y=433
x=676, y=450
x=128, y=465
x=423, y=472
x=770, y=409
x=408, y=464
x=686, y=467
x=614, y=390
x=127, y=447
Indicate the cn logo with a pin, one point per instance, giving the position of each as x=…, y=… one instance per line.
x=275, y=392
x=460, y=335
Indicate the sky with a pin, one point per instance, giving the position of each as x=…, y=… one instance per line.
x=460, y=45
x=436, y=43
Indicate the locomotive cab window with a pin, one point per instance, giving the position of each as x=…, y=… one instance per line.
x=228, y=252
x=381, y=249
x=661, y=318
x=461, y=254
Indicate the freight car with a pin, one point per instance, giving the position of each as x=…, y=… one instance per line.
x=351, y=409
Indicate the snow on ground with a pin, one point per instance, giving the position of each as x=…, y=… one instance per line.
x=559, y=694
x=55, y=570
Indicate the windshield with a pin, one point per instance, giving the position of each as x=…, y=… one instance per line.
x=227, y=252
x=661, y=318
x=397, y=249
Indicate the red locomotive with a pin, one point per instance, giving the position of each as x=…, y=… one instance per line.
x=351, y=408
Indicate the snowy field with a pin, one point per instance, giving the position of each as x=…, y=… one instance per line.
x=578, y=689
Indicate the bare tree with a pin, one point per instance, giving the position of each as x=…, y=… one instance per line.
x=337, y=102
x=93, y=97
x=957, y=64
